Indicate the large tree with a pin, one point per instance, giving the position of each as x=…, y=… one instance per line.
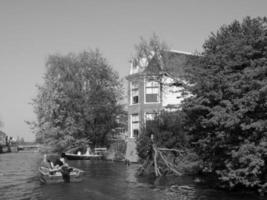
x=78, y=102
x=227, y=114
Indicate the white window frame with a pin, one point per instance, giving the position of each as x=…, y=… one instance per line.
x=131, y=124
x=131, y=93
x=145, y=82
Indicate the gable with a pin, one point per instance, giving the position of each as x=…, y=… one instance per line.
x=171, y=62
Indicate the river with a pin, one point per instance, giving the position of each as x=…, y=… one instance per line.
x=104, y=180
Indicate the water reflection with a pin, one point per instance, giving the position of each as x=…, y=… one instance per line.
x=102, y=181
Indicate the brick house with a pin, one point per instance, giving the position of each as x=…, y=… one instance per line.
x=152, y=88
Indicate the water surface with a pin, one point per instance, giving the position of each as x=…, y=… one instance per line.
x=19, y=180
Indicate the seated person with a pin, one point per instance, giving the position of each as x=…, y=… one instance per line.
x=46, y=163
x=88, y=151
x=60, y=162
x=61, y=165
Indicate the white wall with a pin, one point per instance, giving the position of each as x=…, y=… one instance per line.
x=171, y=95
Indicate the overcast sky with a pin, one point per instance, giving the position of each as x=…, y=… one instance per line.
x=31, y=30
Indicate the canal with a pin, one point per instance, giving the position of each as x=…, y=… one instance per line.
x=19, y=180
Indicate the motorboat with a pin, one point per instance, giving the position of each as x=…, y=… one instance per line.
x=72, y=156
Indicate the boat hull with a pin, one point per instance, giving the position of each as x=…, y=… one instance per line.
x=70, y=156
x=45, y=178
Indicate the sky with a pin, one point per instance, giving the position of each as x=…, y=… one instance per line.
x=31, y=30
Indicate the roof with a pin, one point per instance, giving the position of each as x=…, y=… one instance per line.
x=181, y=52
x=172, y=62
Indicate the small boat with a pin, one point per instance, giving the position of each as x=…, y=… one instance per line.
x=72, y=156
x=76, y=175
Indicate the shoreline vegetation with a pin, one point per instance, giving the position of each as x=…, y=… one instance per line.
x=218, y=133
x=224, y=121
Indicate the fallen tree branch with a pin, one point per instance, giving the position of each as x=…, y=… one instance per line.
x=166, y=149
x=169, y=165
x=156, y=169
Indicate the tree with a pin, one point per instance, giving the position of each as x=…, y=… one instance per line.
x=166, y=130
x=163, y=147
x=147, y=50
x=78, y=102
x=227, y=114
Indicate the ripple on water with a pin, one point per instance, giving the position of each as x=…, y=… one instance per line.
x=102, y=181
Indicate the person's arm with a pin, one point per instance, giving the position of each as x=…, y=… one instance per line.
x=52, y=165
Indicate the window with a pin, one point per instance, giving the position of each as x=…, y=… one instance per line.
x=135, y=125
x=135, y=133
x=134, y=93
x=135, y=118
x=152, y=91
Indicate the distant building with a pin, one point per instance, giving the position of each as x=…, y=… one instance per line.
x=152, y=87
x=2, y=138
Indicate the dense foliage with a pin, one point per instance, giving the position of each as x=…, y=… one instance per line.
x=78, y=102
x=146, y=50
x=164, y=142
x=227, y=114
x=165, y=131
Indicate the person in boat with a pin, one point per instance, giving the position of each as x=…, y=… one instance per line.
x=62, y=166
x=60, y=162
x=46, y=163
x=88, y=151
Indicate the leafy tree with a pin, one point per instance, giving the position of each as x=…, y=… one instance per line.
x=78, y=102
x=227, y=114
x=166, y=131
x=147, y=50
x=163, y=147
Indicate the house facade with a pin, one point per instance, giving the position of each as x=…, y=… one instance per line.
x=152, y=87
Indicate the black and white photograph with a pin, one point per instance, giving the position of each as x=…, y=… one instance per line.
x=133, y=100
